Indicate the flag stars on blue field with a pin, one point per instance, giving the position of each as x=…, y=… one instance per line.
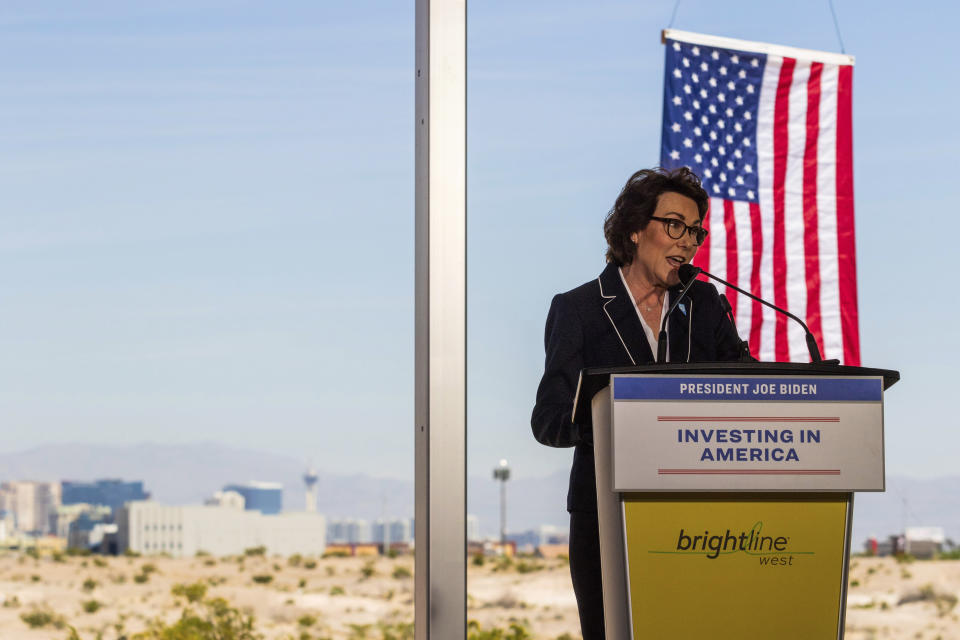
x=709, y=121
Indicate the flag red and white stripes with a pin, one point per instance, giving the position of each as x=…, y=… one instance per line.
x=792, y=241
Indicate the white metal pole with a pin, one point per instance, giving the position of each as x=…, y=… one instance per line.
x=440, y=592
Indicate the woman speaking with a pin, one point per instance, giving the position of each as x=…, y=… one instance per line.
x=655, y=226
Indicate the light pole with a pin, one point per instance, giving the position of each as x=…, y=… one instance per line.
x=502, y=473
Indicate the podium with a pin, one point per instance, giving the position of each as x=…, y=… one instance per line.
x=725, y=494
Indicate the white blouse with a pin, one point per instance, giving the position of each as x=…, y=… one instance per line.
x=651, y=336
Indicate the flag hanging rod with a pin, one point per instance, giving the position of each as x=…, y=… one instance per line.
x=760, y=47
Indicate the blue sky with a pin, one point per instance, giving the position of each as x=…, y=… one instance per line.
x=207, y=222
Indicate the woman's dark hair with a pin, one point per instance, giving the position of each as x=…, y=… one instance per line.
x=637, y=202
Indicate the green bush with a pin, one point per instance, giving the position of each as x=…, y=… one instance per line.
x=99, y=562
x=263, y=578
x=310, y=564
x=400, y=572
x=336, y=591
x=40, y=618
x=295, y=560
x=516, y=631
x=478, y=560
x=217, y=620
x=307, y=620
x=92, y=606
x=89, y=584
x=192, y=592
x=255, y=551
x=396, y=631
x=367, y=570
x=140, y=578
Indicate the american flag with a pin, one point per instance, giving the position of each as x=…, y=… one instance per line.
x=768, y=129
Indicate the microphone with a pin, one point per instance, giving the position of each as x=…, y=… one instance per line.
x=742, y=346
x=688, y=270
x=662, y=338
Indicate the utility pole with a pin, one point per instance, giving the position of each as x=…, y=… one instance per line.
x=502, y=474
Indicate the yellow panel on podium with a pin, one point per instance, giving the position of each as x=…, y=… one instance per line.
x=735, y=566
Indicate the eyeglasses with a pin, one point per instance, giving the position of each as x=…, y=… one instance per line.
x=676, y=228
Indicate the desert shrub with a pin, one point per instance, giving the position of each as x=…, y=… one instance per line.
x=192, y=592
x=307, y=620
x=336, y=591
x=295, y=560
x=99, y=562
x=141, y=578
x=565, y=636
x=396, y=631
x=34, y=578
x=78, y=551
x=216, y=620
x=263, y=578
x=11, y=602
x=91, y=606
x=339, y=553
x=302, y=583
x=478, y=560
x=130, y=553
x=255, y=551
x=148, y=568
x=40, y=618
x=392, y=553
x=528, y=567
x=201, y=553
x=32, y=552
x=89, y=584
x=310, y=564
x=58, y=556
x=944, y=601
x=368, y=570
x=209, y=562
x=359, y=631
x=503, y=563
x=515, y=631
x=400, y=572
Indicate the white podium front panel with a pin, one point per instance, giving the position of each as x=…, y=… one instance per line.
x=747, y=433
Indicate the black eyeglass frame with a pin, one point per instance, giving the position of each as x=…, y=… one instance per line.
x=693, y=231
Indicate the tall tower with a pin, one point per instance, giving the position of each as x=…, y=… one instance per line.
x=310, y=479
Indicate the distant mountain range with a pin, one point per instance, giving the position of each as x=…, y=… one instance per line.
x=188, y=473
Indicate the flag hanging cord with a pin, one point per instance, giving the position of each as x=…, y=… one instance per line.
x=673, y=16
x=836, y=25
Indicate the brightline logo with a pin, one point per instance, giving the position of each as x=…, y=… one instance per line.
x=751, y=542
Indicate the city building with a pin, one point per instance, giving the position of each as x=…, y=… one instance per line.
x=32, y=504
x=265, y=497
x=391, y=531
x=110, y=492
x=473, y=528
x=310, y=480
x=349, y=531
x=532, y=539
x=66, y=514
x=151, y=528
x=226, y=499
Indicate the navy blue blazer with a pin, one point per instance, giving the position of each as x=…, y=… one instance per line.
x=596, y=325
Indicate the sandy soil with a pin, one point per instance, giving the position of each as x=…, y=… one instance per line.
x=347, y=597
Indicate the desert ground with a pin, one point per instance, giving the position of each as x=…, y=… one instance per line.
x=258, y=596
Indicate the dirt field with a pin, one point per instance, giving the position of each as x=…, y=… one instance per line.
x=353, y=598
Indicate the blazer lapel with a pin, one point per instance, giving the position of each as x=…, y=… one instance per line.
x=623, y=316
x=680, y=323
